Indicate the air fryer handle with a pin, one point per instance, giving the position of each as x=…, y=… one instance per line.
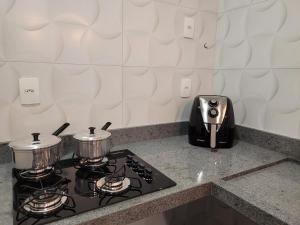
x=213, y=135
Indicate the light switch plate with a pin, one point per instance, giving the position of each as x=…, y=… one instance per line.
x=189, y=27
x=186, y=88
x=29, y=90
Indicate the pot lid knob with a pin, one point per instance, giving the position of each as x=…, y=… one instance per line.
x=35, y=137
x=92, y=130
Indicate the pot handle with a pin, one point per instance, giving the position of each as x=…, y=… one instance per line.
x=106, y=126
x=61, y=129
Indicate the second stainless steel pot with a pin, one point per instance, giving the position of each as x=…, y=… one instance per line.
x=93, y=144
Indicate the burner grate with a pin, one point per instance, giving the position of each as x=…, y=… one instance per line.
x=45, y=203
x=135, y=186
x=92, y=164
x=116, y=183
x=39, y=201
x=34, y=175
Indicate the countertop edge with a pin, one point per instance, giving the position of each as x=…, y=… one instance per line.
x=244, y=207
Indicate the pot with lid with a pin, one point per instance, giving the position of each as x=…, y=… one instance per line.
x=38, y=152
x=93, y=144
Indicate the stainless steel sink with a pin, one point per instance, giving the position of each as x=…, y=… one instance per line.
x=206, y=211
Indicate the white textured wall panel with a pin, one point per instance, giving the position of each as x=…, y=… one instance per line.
x=258, y=63
x=100, y=60
x=152, y=95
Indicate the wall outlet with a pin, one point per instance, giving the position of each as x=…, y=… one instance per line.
x=186, y=88
x=189, y=27
x=29, y=90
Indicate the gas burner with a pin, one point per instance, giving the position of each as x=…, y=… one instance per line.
x=34, y=175
x=113, y=185
x=93, y=163
x=45, y=202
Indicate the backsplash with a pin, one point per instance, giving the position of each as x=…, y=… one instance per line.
x=122, y=60
x=100, y=60
x=258, y=63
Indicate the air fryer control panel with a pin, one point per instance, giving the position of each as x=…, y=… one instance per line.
x=213, y=109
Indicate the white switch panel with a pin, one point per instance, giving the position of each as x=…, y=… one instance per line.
x=185, y=88
x=29, y=90
x=189, y=27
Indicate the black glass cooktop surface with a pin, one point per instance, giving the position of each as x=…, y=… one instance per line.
x=72, y=189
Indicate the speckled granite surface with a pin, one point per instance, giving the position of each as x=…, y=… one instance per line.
x=270, y=196
x=5, y=194
x=192, y=168
x=275, y=142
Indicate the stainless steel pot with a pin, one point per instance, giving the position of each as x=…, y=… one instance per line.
x=37, y=153
x=93, y=144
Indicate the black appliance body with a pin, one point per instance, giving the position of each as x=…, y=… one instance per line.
x=212, y=122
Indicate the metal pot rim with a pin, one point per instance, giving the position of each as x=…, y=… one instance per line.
x=87, y=137
x=26, y=144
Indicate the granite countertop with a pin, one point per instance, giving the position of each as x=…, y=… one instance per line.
x=274, y=191
x=192, y=168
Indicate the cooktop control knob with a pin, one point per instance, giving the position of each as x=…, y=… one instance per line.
x=129, y=160
x=141, y=170
x=148, y=175
x=213, y=102
x=135, y=165
x=213, y=113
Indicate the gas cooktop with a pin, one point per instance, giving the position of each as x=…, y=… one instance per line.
x=75, y=186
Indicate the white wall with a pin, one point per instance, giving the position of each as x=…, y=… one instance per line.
x=99, y=60
x=122, y=60
x=258, y=63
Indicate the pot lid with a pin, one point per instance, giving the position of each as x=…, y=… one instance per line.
x=37, y=141
x=92, y=135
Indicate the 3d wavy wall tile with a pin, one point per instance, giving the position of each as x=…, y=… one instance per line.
x=95, y=61
x=122, y=60
x=258, y=63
